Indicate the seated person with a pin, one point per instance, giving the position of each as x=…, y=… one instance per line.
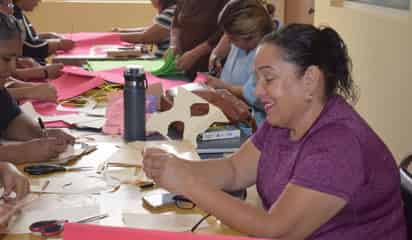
x=244, y=24
x=319, y=168
x=195, y=33
x=159, y=32
x=37, y=144
x=34, y=45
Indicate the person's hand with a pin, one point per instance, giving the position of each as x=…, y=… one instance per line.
x=54, y=70
x=50, y=35
x=44, y=92
x=186, y=61
x=166, y=170
x=216, y=82
x=61, y=136
x=215, y=64
x=7, y=211
x=40, y=149
x=26, y=62
x=66, y=44
x=13, y=181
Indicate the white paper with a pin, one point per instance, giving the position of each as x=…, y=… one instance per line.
x=76, y=182
x=165, y=222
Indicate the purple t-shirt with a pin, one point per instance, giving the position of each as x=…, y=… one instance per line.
x=342, y=156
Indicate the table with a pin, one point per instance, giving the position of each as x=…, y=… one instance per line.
x=127, y=196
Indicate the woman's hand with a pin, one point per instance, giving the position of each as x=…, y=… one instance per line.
x=66, y=44
x=215, y=64
x=61, y=136
x=13, y=181
x=43, y=92
x=54, y=70
x=166, y=170
x=37, y=150
x=216, y=82
x=187, y=60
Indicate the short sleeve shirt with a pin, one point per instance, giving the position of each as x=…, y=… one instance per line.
x=9, y=109
x=33, y=46
x=342, y=156
x=164, y=19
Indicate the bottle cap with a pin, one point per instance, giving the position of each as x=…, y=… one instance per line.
x=134, y=73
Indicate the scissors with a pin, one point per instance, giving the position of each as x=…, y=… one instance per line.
x=41, y=169
x=55, y=227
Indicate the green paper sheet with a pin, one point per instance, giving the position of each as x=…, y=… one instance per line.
x=148, y=65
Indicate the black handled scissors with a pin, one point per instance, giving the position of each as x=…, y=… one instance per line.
x=40, y=169
x=55, y=227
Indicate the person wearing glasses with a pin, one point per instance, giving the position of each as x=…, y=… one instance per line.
x=245, y=23
x=36, y=144
x=38, y=46
x=159, y=32
x=321, y=172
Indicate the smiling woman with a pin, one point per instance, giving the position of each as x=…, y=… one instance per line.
x=322, y=173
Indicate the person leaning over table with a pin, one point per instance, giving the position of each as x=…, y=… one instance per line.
x=244, y=23
x=320, y=170
x=36, y=144
x=159, y=32
x=38, y=46
x=195, y=33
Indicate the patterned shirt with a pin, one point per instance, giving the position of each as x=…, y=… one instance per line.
x=164, y=19
x=33, y=46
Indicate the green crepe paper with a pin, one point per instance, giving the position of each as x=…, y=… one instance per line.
x=148, y=65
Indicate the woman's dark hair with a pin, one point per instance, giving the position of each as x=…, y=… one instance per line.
x=306, y=45
x=245, y=17
x=9, y=27
x=165, y=4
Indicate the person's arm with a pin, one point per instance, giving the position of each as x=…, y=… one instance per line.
x=37, y=91
x=153, y=34
x=50, y=71
x=128, y=30
x=202, y=183
x=60, y=44
x=22, y=128
x=220, y=52
x=311, y=209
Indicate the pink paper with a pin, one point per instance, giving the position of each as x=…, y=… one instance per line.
x=76, y=231
x=114, y=75
x=86, y=40
x=47, y=109
x=79, y=71
x=114, y=124
x=69, y=85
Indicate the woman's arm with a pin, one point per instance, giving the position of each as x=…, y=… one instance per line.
x=296, y=215
x=153, y=34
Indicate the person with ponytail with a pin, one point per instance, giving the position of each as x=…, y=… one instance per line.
x=245, y=23
x=321, y=172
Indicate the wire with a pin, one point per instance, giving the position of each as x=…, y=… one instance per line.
x=194, y=228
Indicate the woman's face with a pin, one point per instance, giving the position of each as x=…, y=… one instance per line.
x=28, y=5
x=246, y=43
x=280, y=87
x=9, y=50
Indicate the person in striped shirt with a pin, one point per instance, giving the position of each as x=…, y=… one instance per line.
x=37, y=46
x=158, y=33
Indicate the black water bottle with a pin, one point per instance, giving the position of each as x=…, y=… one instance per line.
x=135, y=103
